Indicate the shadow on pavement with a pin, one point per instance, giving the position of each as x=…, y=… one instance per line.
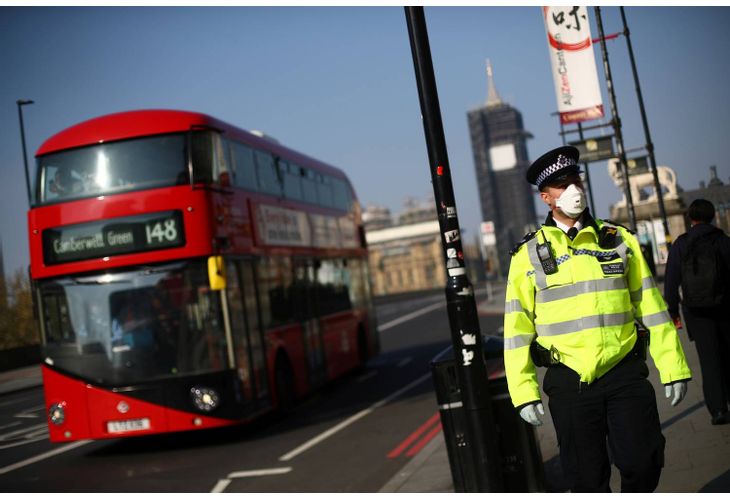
x=721, y=484
x=685, y=413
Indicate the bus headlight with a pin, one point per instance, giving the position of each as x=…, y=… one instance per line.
x=204, y=398
x=57, y=413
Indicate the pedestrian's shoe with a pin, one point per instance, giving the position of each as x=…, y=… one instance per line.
x=721, y=418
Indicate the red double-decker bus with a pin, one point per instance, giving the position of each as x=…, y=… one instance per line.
x=189, y=274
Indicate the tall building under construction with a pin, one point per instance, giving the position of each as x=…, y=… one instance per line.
x=499, y=145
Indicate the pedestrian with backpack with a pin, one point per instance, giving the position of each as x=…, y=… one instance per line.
x=699, y=264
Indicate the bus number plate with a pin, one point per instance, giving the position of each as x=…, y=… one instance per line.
x=137, y=424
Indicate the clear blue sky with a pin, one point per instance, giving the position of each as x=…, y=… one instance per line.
x=338, y=84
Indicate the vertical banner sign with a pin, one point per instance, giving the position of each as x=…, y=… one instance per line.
x=573, y=63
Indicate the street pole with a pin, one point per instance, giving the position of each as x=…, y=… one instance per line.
x=461, y=305
x=21, y=103
x=616, y=123
x=647, y=134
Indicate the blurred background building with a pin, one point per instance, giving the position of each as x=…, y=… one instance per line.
x=405, y=251
x=499, y=147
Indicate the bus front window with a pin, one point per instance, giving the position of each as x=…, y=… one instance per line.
x=132, y=326
x=113, y=167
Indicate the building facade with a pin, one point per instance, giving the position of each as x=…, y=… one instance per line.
x=406, y=258
x=406, y=254
x=499, y=147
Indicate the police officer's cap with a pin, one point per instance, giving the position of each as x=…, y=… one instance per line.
x=554, y=165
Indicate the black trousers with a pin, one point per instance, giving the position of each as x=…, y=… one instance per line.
x=710, y=330
x=619, y=409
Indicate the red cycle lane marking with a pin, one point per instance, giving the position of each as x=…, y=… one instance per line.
x=424, y=441
x=410, y=439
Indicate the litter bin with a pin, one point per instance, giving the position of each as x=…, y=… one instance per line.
x=519, y=452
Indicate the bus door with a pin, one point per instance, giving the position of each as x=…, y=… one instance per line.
x=254, y=333
x=304, y=298
x=240, y=333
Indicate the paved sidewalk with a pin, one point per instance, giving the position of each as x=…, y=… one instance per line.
x=697, y=454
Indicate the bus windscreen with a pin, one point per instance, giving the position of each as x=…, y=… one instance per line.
x=118, y=328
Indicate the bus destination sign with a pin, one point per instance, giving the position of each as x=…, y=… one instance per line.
x=117, y=236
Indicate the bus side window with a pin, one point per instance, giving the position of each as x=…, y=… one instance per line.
x=341, y=194
x=244, y=167
x=324, y=191
x=292, y=180
x=333, y=283
x=309, y=188
x=266, y=173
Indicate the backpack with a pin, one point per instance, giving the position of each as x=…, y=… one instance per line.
x=702, y=274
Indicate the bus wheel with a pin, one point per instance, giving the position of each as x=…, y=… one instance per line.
x=284, y=379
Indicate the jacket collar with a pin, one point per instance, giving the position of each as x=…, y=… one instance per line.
x=586, y=220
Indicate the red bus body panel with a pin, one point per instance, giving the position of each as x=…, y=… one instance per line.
x=89, y=409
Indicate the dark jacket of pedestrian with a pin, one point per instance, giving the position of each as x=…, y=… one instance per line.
x=708, y=326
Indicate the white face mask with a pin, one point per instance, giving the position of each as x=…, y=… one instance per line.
x=572, y=202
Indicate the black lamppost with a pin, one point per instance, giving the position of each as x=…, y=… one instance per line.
x=21, y=103
x=461, y=305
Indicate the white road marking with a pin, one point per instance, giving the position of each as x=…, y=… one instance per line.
x=30, y=412
x=43, y=456
x=39, y=435
x=14, y=433
x=404, y=362
x=11, y=424
x=410, y=316
x=260, y=472
x=321, y=437
x=222, y=484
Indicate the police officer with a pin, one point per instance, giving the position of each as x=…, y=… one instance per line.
x=577, y=287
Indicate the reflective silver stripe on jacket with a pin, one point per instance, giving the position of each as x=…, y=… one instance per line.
x=646, y=284
x=656, y=319
x=515, y=305
x=518, y=341
x=567, y=291
x=577, y=325
x=512, y=306
x=540, y=277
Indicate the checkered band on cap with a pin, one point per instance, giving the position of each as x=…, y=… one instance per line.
x=561, y=163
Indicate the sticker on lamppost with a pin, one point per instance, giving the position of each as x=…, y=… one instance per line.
x=468, y=356
x=451, y=236
x=468, y=338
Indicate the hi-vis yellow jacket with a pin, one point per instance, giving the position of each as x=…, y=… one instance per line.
x=585, y=311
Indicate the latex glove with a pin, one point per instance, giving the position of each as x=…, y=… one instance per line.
x=529, y=413
x=679, y=389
